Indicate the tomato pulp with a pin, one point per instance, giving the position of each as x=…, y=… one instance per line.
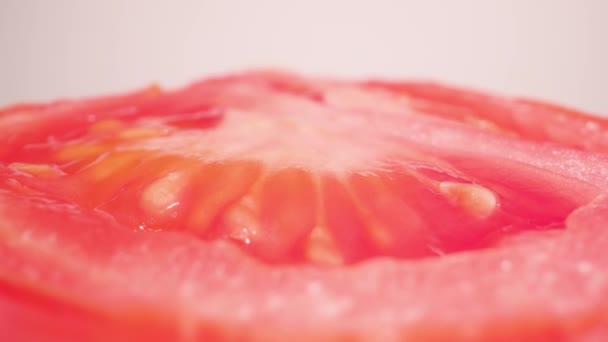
x=271, y=206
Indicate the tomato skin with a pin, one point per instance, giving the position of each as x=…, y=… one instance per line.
x=470, y=222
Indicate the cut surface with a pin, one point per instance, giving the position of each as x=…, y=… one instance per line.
x=264, y=160
x=367, y=210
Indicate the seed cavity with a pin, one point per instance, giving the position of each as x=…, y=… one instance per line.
x=80, y=151
x=321, y=248
x=107, y=126
x=476, y=200
x=112, y=164
x=41, y=170
x=141, y=133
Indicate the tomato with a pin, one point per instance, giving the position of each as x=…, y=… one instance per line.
x=270, y=206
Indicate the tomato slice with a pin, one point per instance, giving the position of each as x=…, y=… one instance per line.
x=269, y=206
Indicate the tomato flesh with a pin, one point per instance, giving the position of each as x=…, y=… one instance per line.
x=223, y=204
x=245, y=159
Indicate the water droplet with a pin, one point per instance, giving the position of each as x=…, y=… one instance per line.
x=243, y=235
x=172, y=205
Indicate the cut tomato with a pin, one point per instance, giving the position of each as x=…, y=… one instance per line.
x=269, y=206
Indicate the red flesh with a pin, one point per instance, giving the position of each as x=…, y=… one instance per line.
x=136, y=210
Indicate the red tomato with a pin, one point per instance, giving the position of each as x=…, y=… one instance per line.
x=268, y=206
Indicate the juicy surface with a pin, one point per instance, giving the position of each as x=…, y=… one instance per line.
x=134, y=211
x=542, y=288
x=305, y=170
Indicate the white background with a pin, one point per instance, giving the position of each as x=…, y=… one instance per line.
x=551, y=49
